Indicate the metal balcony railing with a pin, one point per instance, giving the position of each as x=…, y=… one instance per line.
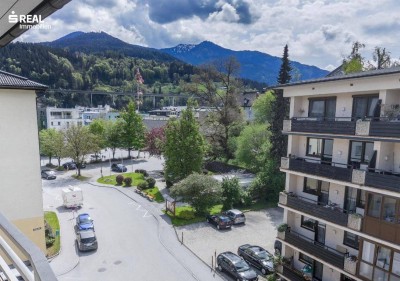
x=41, y=270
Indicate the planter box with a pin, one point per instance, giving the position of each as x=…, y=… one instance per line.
x=284, y=163
x=282, y=198
x=279, y=269
x=354, y=222
x=281, y=235
x=350, y=266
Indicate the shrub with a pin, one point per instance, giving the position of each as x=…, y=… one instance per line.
x=143, y=172
x=143, y=185
x=50, y=241
x=231, y=192
x=187, y=215
x=246, y=199
x=151, y=182
x=282, y=227
x=119, y=179
x=128, y=181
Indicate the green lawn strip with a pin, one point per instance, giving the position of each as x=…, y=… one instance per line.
x=136, y=178
x=81, y=178
x=52, y=220
x=156, y=193
x=185, y=215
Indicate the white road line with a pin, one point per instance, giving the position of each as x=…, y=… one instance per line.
x=138, y=207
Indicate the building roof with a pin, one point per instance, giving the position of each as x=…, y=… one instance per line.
x=369, y=73
x=12, y=81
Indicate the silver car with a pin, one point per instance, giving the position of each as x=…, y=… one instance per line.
x=236, y=216
x=86, y=240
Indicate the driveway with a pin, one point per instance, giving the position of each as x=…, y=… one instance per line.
x=205, y=240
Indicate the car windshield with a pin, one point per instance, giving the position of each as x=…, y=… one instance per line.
x=88, y=240
x=85, y=220
x=264, y=255
x=241, y=266
x=224, y=219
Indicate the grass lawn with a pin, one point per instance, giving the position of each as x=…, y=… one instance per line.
x=52, y=220
x=136, y=178
x=185, y=215
x=156, y=193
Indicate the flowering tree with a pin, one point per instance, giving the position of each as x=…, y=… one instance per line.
x=155, y=140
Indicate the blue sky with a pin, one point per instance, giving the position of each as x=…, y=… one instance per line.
x=318, y=32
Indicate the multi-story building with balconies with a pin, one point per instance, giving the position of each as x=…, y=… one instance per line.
x=342, y=195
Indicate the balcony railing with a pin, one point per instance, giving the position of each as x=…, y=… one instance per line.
x=323, y=125
x=332, y=170
x=291, y=273
x=323, y=252
x=41, y=268
x=378, y=179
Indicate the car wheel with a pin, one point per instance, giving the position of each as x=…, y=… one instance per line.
x=263, y=271
x=218, y=227
x=219, y=268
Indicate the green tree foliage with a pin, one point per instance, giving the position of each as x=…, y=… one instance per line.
x=253, y=147
x=263, y=107
x=59, y=146
x=184, y=147
x=52, y=144
x=231, y=193
x=216, y=86
x=280, y=110
x=112, y=135
x=354, y=62
x=382, y=58
x=133, y=129
x=80, y=142
x=200, y=191
x=98, y=128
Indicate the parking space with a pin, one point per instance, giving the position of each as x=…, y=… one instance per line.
x=205, y=240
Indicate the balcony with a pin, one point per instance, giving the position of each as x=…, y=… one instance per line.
x=291, y=273
x=378, y=179
x=334, y=125
x=41, y=268
x=330, y=213
x=323, y=252
x=337, y=171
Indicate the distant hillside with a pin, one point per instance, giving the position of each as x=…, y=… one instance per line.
x=100, y=42
x=254, y=65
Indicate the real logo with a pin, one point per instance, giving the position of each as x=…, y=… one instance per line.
x=25, y=19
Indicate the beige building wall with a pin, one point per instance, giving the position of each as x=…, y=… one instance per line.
x=20, y=183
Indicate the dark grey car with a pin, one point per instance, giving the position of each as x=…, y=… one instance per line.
x=119, y=168
x=236, y=267
x=86, y=240
x=258, y=257
x=48, y=175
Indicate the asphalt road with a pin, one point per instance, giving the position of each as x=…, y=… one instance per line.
x=136, y=241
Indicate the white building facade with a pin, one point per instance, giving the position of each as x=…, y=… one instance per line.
x=342, y=195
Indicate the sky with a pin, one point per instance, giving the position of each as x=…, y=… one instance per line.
x=318, y=32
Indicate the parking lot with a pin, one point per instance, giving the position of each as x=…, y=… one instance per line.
x=205, y=240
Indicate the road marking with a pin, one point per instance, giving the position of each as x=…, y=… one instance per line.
x=138, y=207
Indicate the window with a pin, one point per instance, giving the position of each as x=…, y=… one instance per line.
x=374, y=205
x=354, y=198
x=59, y=123
x=321, y=148
x=51, y=123
x=383, y=258
x=350, y=240
x=306, y=259
x=389, y=209
x=316, y=187
x=366, y=106
x=322, y=107
x=308, y=223
x=361, y=152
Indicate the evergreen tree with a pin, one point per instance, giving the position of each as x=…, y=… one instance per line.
x=184, y=147
x=280, y=110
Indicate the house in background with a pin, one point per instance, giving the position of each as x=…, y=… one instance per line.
x=342, y=194
x=246, y=100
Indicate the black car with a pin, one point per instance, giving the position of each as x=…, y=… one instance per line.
x=118, y=168
x=236, y=267
x=86, y=240
x=48, y=175
x=220, y=221
x=258, y=257
x=72, y=165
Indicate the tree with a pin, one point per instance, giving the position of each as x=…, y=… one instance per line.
x=253, y=146
x=59, y=146
x=216, y=86
x=200, y=191
x=280, y=110
x=155, y=141
x=112, y=135
x=184, y=147
x=263, y=107
x=80, y=142
x=354, y=62
x=133, y=129
x=98, y=128
x=382, y=58
x=231, y=192
x=46, y=142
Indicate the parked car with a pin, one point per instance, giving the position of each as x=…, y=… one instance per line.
x=236, y=216
x=258, y=257
x=69, y=166
x=84, y=222
x=86, y=240
x=48, y=175
x=220, y=221
x=118, y=168
x=236, y=267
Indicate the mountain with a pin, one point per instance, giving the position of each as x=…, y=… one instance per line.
x=255, y=65
x=101, y=42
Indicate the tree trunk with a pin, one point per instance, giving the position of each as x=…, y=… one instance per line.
x=113, y=153
x=79, y=171
x=129, y=152
x=59, y=161
x=50, y=159
x=138, y=153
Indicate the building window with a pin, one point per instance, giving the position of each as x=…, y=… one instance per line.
x=308, y=223
x=306, y=259
x=321, y=148
x=366, y=106
x=354, y=198
x=317, y=187
x=360, y=153
x=59, y=123
x=374, y=205
x=389, y=209
x=322, y=107
x=51, y=123
x=350, y=240
x=311, y=186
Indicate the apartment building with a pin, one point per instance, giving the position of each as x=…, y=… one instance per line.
x=342, y=194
